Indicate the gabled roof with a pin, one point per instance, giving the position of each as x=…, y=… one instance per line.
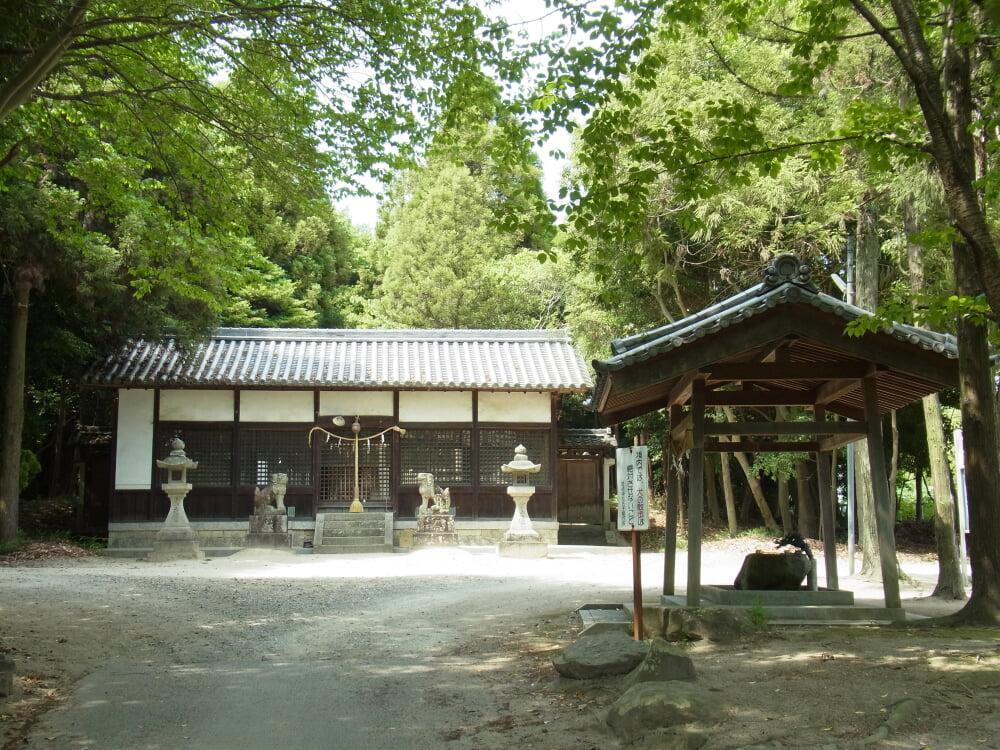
x=530, y=360
x=778, y=337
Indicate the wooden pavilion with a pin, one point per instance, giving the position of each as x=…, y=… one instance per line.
x=779, y=343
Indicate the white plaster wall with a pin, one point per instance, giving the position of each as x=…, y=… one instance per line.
x=435, y=406
x=134, y=449
x=354, y=403
x=196, y=406
x=515, y=407
x=276, y=406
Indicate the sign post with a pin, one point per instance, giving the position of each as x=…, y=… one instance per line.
x=633, y=515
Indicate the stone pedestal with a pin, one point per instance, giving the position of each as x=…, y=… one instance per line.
x=269, y=530
x=435, y=530
x=176, y=540
x=521, y=539
x=770, y=572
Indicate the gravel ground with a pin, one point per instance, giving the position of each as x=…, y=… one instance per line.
x=439, y=648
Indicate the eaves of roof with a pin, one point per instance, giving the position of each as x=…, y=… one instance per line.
x=349, y=358
x=746, y=305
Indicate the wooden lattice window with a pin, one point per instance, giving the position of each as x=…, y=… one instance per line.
x=496, y=448
x=336, y=472
x=211, y=447
x=447, y=454
x=267, y=452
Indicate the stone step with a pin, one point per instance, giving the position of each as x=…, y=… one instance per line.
x=353, y=541
x=348, y=534
x=337, y=549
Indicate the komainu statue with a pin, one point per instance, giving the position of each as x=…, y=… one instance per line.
x=270, y=500
x=433, y=500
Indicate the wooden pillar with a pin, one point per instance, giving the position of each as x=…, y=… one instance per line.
x=696, y=493
x=828, y=517
x=885, y=515
x=672, y=487
x=827, y=508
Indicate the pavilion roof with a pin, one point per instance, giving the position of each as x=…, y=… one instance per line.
x=780, y=342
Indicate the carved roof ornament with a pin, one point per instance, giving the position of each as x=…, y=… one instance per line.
x=788, y=269
x=521, y=466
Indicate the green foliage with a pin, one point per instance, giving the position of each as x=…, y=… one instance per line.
x=930, y=310
x=758, y=615
x=444, y=258
x=30, y=466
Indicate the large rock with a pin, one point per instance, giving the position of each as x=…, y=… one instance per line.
x=716, y=624
x=652, y=706
x=664, y=662
x=769, y=572
x=602, y=654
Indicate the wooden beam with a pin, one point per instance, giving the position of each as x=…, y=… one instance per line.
x=671, y=508
x=827, y=509
x=834, y=389
x=681, y=392
x=760, y=446
x=834, y=442
x=858, y=429
x=776, y=397
x=696, y=494
x=743, y=371
x=679, y=430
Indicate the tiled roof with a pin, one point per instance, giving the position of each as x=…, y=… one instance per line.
x=754, y=301
x=786, y=322
x=587, y=438
x=347, y=358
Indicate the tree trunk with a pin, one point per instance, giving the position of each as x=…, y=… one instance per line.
x=13, y=410
x=21, y=86
x=758, y=493
x=784, y=499
x=982, y=446
x=866, y=297
x=950, y=582
x=808, y=516
x=711, y=492
x=894, y=462
x=755, y=489
x=727, y=490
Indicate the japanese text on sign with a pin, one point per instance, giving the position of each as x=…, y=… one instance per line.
x=633, y=488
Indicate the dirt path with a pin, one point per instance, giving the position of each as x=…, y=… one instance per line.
x=440, y=648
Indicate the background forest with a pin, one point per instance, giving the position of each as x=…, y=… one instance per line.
x=179, y=169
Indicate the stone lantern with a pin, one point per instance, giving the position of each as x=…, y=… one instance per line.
x=521, y=540
x=177, y=539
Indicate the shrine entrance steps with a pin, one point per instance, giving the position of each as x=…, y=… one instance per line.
x=352, y=533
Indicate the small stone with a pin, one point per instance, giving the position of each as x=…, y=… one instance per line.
x=664, y=662
x=600, y=654
x=651, y=706
x=715, y=624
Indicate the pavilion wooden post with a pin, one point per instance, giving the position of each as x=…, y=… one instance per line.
x=827, y=508
x=884, y=507
x=672, y=487
x=696, y=493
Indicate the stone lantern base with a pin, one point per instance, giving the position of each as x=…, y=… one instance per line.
x=176, y=540
x=521, y=540
x=523, y=548
x=175, y=544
